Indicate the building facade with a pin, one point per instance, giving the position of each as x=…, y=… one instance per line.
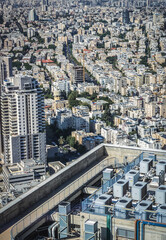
x=23, y=123
x=5, y=72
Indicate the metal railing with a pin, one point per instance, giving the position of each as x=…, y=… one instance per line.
x=57, y=198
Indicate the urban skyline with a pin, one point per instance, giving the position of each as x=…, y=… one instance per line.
x=82, y=106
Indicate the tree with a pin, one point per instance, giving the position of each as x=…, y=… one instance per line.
x=72, y=99
x=108, y=117
x=112, y=60
x=144, y=61
x=40, y=40
x=61, y=140
x=100, y=45
x=27, y=66
x=47, y=93
x=17, y=64
x=1, y=19
x=25, y=49
x=51, y=46
x=71, y=141
x=122, y=35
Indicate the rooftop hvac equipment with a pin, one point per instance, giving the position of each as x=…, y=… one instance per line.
x=120, y=188
x=145, y=165
x=101, y=201
x=120, y=212
x=91, y=230
x=140, y=212
x=161, y=165
x=161, y=194
x=64, y=209
x=161, y=213
x=132, y=176
x=107, y=174
x=139, y=190
x=161, y=178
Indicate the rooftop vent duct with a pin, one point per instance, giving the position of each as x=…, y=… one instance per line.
x=64, y=210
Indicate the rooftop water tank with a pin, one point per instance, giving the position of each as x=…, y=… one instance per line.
x=120, y=212
x=161, y=194
x=145, y=165
x=161, y=213
x=140, y=212
x=120, y=188
x=139, y=190
x=101, y=201
x=107, y=174
x=132, y=176
x=161, y=165
x=64, y=207
x=91, y=230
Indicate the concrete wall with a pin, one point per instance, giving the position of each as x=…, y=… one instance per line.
x=119, y=152
x=25, y=201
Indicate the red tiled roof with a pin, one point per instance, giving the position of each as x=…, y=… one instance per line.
x=47, y=61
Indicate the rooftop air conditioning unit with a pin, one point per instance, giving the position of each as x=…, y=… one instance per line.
x=145, y=165
x=161, y=165
x=161, y=213
x=161, y=194
x=120, y=188
x=132, y=176
x=140, y=210
x=120, y=212
x=139, y=190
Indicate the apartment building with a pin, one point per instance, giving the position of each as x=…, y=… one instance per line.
x=23, y=123
x=5, y=72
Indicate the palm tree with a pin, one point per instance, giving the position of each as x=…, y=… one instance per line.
x=61, y=140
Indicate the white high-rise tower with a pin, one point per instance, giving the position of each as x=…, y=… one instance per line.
x=23, y=122
x=5, y=72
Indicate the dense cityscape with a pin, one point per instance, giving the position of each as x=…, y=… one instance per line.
x=77, y=77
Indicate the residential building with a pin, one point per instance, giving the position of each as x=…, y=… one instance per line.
x=80, y=118
x=77, y=74
x=23, y=123
x=64, y=118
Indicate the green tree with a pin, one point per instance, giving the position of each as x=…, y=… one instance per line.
x=100, y=45
x=122, y=35
x=25, y=49
x=1, y=19
x=51, y=46
x=71, y=141
x=112, y=60
x=72, y=99
x=27, y=66
x=17, y=64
